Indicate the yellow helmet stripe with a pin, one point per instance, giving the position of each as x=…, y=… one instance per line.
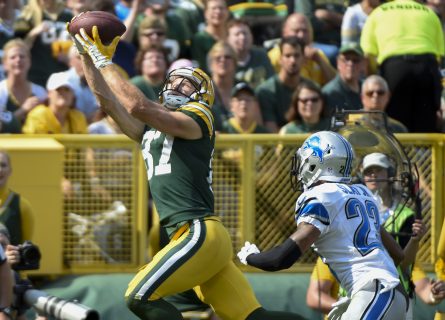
x=202, y=112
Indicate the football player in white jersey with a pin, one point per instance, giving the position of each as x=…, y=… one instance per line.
x=340, y=221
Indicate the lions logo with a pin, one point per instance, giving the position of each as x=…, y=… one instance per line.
x=315, y=145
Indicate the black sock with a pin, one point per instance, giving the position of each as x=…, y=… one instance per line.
x=262, y=314
x=154, y=310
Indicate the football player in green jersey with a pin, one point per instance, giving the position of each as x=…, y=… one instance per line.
x=177, y=139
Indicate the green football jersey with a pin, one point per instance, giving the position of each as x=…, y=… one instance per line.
x=180, y=171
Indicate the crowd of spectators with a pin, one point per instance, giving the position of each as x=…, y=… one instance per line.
x=318, y=63
x=317, y=41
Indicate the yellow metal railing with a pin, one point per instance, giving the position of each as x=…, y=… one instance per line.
x=105, y=211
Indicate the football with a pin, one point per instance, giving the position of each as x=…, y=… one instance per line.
x=108, y=25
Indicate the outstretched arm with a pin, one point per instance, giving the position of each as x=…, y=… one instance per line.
x=130, y=97
x=286, y=254
x=129, y=125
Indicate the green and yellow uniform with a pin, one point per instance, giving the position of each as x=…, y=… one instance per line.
x=199, y=254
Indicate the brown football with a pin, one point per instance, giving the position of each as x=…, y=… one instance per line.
x=108, y=25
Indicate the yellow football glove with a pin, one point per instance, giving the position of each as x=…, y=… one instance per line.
x=100, y=54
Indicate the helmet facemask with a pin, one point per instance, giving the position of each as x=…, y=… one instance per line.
x=185, y=85
x=324, y=156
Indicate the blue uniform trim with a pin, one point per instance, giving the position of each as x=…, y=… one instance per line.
x=315, y=210
x=379, y=305
x=349, y=156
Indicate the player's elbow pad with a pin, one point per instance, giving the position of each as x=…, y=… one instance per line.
x=277, y=258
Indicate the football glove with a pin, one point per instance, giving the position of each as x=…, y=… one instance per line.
x=100, y=54
x=339, y=308
x=247, y=250
x=79, y=47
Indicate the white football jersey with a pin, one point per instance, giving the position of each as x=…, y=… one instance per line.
x=350, y=243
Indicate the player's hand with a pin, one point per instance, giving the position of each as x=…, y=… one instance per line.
x=438, y=290
x=247, y=250
x=100, y=54
x=79, y=47
x=339, y=308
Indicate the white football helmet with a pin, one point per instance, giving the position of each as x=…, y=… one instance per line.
x=172, y=95
x=324, y=156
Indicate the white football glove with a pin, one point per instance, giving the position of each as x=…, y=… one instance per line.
x=247, y=250
x=339, y=308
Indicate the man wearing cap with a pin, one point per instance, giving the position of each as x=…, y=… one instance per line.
x=400, y=221
x=343, y=92
x=244, y=106
x=59, y=116
x=406, y=38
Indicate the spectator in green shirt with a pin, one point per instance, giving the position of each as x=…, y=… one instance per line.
x=307, y=113
x=275, y=94
x=244, y=107
x=343, y=92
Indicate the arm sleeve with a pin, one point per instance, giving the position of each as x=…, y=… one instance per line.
x=277, y=258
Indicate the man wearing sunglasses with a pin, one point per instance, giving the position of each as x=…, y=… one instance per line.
x=343, y=92
x=375, y=96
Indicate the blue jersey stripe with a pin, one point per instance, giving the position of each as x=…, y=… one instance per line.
x=315, y=210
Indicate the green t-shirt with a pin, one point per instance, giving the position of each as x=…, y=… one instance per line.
x=274, y=98
x=257, y=70
x=302, y=127
x=339, y=96
x=145, y=87
x=177, y=29
x=202, y=42
x=179, y=170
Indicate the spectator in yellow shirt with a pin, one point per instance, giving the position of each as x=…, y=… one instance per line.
x=316, y=66
x=60, y=115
